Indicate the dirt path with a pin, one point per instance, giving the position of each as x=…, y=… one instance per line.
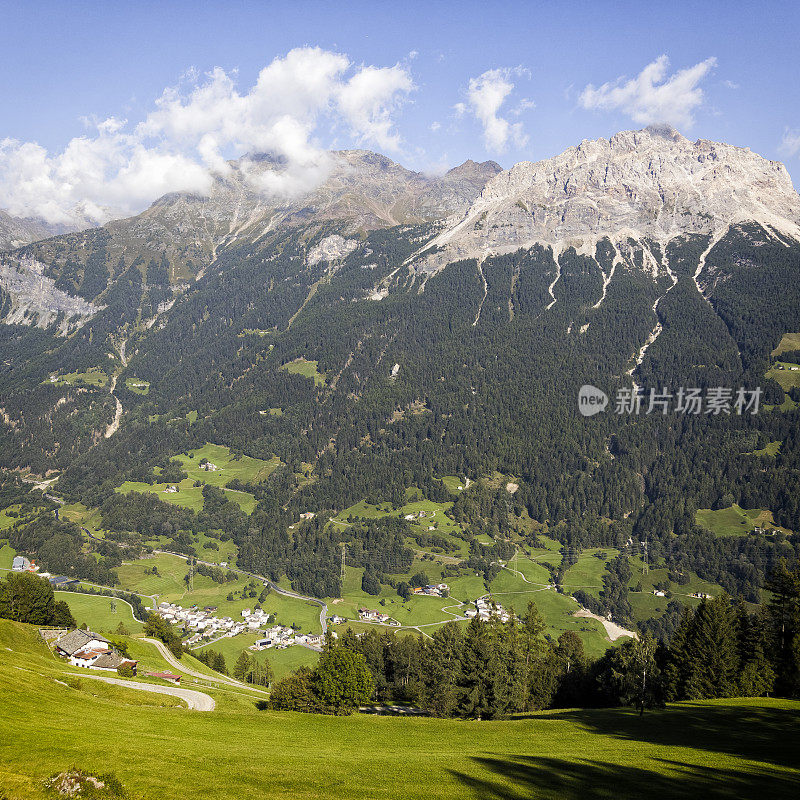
x=613, y=630
x=176, y=664
x=198, y=701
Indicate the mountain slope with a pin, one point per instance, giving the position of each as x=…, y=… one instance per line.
x=18, y=231
x=372, y=363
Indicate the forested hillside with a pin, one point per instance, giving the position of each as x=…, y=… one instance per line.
x=367, y=374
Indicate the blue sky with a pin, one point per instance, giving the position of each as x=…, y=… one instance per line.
x=430, y=84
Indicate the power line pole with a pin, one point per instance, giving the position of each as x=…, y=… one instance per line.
x=645, y=557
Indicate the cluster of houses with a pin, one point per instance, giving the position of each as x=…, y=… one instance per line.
x=763, y=531
x=416, y=515
x=370, y=615
x=487, y=609
x=207, y=466
x=91, y=650
x=201, y=622
x=433, y=590
x=789, y=368
x=280, y=637
x=204, y=625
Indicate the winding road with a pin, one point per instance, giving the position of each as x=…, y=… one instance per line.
x=176, y=664
x=199, y=701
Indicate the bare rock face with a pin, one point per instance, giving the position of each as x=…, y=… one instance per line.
x=330, y=249
x=31, y=298
x=649, y=184
x=358, y=188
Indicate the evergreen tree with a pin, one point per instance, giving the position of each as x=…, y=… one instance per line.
x=478, y=672
x=243, y=666
x=756, y=676
x=678, y=662
x=441, y=670
x=784, y=613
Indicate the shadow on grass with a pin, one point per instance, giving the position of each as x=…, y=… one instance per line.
x=526, y=777
x=767, y=734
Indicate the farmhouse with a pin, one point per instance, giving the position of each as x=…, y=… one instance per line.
x=20, y=564
x=90, y=650
x=61, y=580
x=165, y=676
x=370, y=615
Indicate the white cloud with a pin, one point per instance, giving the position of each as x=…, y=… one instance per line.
x=118, y=169
x=790, y=143
x=435, y=126
x=653, y=96
x=485, y=97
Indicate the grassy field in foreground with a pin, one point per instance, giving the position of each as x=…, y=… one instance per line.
x=726, y=749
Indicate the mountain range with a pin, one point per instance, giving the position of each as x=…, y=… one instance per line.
x=383, y=329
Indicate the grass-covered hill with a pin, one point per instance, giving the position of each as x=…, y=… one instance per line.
x=721, y=749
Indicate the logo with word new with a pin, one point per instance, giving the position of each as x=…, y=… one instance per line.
x=591, y=400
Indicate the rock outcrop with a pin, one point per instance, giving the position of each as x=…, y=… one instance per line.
x=648, y=184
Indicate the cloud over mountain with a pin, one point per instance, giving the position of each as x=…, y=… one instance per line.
x=653, y=96
x=117, y=169
x=486, y=94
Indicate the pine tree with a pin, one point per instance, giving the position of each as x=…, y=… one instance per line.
x=476, y=682
x=713, y=649
x=515, y=670
x=242, y=667
x=756, y=676
x=784, y=612
x=678, y=662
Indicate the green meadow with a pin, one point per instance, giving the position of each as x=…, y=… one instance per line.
x=716, y=749
x=91, y=377
x=306, y=368
x=790, y=341
x=735, y=521
x=785, y=373
x=137, y=386
x=7, y=553
x=228, y=468
x=101, y=614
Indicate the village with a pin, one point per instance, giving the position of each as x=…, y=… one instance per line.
x=204, y=626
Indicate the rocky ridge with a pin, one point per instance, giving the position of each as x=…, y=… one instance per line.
x=652, y=184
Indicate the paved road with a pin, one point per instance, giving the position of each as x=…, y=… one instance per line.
x=194, y=699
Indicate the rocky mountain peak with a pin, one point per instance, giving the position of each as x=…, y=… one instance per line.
x=651, y=183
